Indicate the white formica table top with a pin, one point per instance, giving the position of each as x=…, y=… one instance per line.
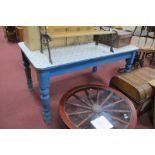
x=70, y=54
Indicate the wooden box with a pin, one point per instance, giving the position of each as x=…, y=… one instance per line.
x=58, y=42
x=19, y=31
x=67, y=41
x=31, y=36
x=121, y=39
x=79, y=40
x=135, y=85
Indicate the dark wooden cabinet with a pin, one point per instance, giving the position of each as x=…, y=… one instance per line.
x=14, y=33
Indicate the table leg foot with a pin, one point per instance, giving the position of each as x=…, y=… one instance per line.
x=44, y=84
x=45, y=100
x=94, y=69
x=127, y=68
x=47, y=117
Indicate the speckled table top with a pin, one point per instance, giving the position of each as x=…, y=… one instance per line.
x=70, y=54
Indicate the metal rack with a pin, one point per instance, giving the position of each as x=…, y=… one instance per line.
x=46, y=37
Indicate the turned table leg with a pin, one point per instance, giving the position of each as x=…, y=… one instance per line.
x=129, y=63
x=27, y=72
x=44, y=86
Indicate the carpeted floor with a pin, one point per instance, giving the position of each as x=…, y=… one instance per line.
x=20, y=108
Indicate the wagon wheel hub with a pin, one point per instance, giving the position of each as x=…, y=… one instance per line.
x=97, y=108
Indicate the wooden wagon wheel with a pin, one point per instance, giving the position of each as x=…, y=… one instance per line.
x=80, y=105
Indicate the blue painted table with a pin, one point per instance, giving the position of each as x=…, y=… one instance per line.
x=69, y=59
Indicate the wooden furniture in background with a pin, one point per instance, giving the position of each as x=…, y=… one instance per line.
x=135, y=85
x=118, y=27
x=19, y=33
x=119, y=39
x=152, y=83
x=13, y=33
x=61, y=36
x=10, y=33
x=144, y=38
x=31, y=37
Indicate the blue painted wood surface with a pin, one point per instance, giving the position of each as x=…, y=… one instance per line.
x=44, y=87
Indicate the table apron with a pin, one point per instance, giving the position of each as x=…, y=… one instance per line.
x=77, y=66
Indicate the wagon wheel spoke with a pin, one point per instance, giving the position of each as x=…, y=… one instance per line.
x=80, y=112
x=81, y=100
x=88, y=96
x=78, y=105
x=113, y=103
x=97, y=96
x=119, y=120
x=106, y=99
x=84, y=121
x=116, y=110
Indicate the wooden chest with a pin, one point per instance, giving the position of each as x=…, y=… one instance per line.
x=135, y=85
x=31, y=36
x=122, y=38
